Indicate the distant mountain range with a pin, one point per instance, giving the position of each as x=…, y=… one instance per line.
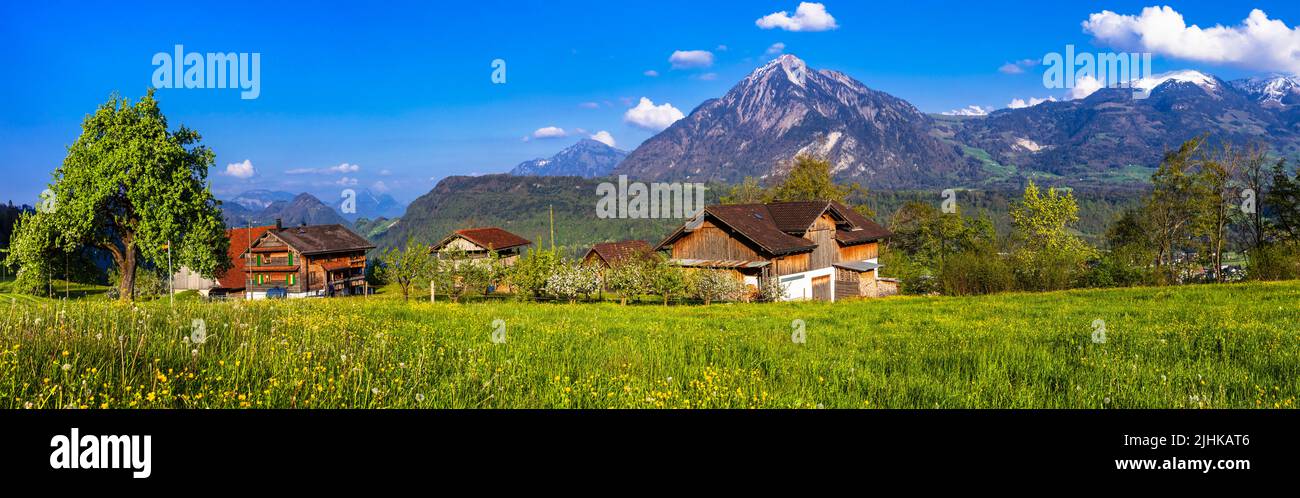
x=303, y=208
x=587, y=158
x=1111, y=131
x=785, y=108
x=262, y=207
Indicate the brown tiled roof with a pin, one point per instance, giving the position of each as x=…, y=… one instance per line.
x=239, y=240
x=490, y=238
x=755, y=222
x=322, y=239
x=777, y=228
x=861, y=228
x=612, y=252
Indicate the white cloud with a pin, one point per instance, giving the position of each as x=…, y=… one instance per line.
x=243, y=170
x=971, y=110
x=648, y=116
x=1257, y=43
x=385, y=172
x=589, y=105
x=1019, y=66
x=775, y=49
x=550, y=132
x=379, y=186
x=807, y=17
x=346, y=182
x=690, y=59
x=709, y=76
x=1083, y=87
x=343, y=168
x=604, y=137
x=1033, y=101
x=651, y=73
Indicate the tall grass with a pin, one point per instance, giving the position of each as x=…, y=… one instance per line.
x=1218, y=346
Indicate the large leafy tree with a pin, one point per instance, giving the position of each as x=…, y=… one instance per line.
x=1175, y=203
x=1284, y=200
x=137, y=190
x=810, y=179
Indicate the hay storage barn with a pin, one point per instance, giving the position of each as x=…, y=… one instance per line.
x=816, y=249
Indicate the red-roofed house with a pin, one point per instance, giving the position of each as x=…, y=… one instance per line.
x=479, y=243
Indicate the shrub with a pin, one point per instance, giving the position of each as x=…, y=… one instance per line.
x=1273, y=262
x=972, y=272
x=530, y=273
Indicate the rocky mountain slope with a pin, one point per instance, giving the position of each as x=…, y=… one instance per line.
x=786, y=108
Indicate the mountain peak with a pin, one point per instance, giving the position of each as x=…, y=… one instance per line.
x=587, y=158
x=784, y=109
x=1277, y=90
x=1206, y=82
x=794, y=69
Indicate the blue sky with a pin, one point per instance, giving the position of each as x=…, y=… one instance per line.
x=403, y=92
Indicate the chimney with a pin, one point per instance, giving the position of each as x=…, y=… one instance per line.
x=279, y=224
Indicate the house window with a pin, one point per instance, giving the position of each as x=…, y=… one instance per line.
x=291, y=278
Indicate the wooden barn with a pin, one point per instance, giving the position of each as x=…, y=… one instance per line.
x=306, y=261
x=478, y=243
x=607, y=254
x=816, y=249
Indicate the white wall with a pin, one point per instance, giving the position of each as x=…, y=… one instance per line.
x=798, y=286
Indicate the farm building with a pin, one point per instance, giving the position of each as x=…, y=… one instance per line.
x=478, y=243
x=229, y=283
x=816, y=249
x=306, y=261
x=607, y=254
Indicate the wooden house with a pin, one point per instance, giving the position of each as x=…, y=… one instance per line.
x=816, y=249
x=306, y=261
x=478, y=243
x=607, y=254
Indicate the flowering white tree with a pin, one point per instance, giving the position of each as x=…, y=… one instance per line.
x=572, y=280
x=716, y=285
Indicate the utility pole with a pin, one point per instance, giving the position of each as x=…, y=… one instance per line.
x=171, y=277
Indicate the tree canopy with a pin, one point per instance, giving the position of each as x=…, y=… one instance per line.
x=135, y=189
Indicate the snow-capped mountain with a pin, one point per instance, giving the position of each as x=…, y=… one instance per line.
x=1277, y=90
x=785, y=108
x=1110, y=129
x=588, y=159
x=1210, y=84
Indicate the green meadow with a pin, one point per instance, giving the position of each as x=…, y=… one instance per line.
x=1208, y=346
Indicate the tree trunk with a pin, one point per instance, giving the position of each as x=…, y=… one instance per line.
x=126, y=288
x=665, y=299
